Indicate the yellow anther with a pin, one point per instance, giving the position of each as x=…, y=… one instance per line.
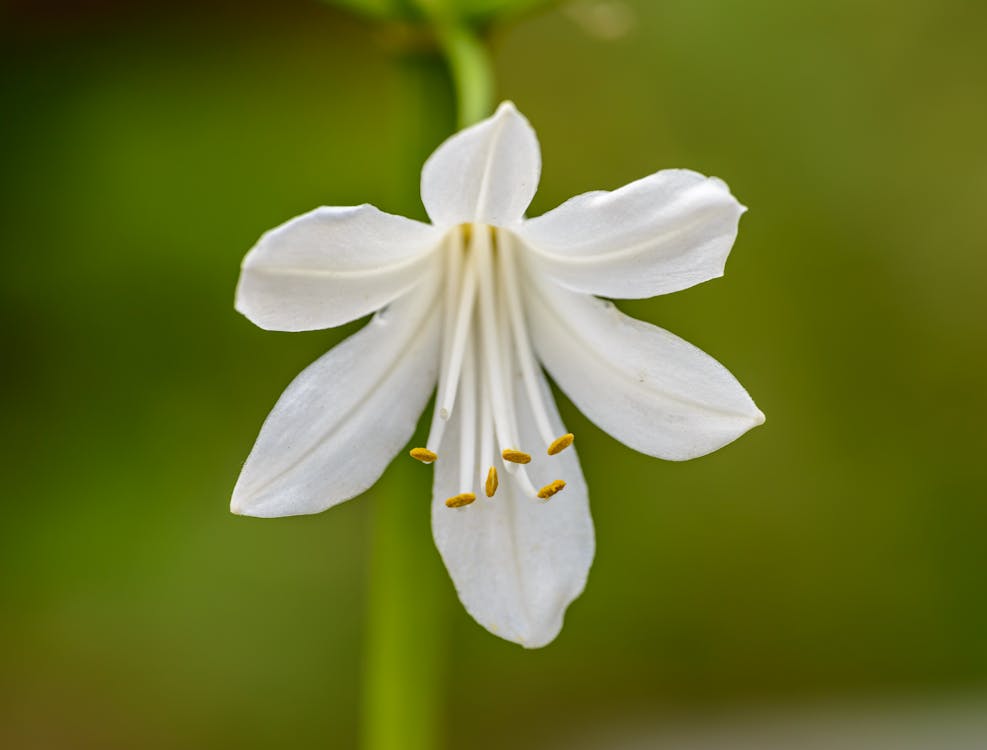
x=516, y=457
x=423, y=454
x=550, y=489
x=458, y=501
x=491, y=486
x=560, y=444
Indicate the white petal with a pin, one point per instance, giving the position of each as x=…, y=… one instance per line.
x=657, y=235
x=487, y=173
x=332, y=265
x=649, y=389
x=341, y=421
x=517, y=562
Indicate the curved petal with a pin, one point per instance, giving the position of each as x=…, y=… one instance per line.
x=649, y=389
x=487, y=173
x=517, y=562
x=657, y=235
x=341, y=421
x=332, y=265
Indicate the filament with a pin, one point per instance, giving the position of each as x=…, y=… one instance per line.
x=457, y=348
x=454, y=282
x=487, y=434
x=480, y=249
x=467, y=424
x=515, y=311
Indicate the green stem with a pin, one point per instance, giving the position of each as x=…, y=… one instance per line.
x=471, y=70
x=469, y=62
x=404, y=654
x=408, y=591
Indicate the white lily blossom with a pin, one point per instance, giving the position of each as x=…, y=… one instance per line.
x=472, y=306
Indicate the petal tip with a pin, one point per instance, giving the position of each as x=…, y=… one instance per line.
x=540, y=642
x=485, y=173
x=236, y=506
x=507, y=111
x=245, y=501
x=530, y=638
x=721, y=184
x=258, y=317
x=241, y=501
x=240, y=303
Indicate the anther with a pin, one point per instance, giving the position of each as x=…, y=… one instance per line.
x=423, y=454
x=460, y=500
x=560, y=444
x=550, y=489
x=491, y=486
x=515, y=456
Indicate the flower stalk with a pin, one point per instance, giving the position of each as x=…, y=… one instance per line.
x=471, y=71
x=402, y=663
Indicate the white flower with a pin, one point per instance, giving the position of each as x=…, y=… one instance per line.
x=474, y=302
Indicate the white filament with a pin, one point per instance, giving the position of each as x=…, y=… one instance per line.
x=487, y=456
x=508, y=276
x=480, y=249
x=467, y=431
x=483, y=333
x=506, y=365
x=453, y=281
x=457, y=347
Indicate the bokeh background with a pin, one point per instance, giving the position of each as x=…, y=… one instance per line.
x=834, y=557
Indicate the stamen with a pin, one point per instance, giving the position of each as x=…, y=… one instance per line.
x=467, y=423
x=549, y=489
x=460, y=500
x=521, y=477
x=499, y=402
x=515, y=309
x=560, y=444
x=505, y=350
x=424, y=455
x=515, y=456
x=492, y=483
x=457, y=349
x=487, y=454
x=453, y=274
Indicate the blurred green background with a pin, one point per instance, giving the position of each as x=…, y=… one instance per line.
x=835, y=554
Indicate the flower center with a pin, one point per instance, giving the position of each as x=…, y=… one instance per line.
x=484, y=341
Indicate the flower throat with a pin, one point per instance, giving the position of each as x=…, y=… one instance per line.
x=484, y=338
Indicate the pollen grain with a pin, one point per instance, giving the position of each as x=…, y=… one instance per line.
x=560, y=444
x=516, y=456
x=460, y=500
x=550, y=489
x=491, y=484
x=423, y=454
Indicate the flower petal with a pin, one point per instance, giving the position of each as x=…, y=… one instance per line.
x=657, y=235
x=341, y=421
x=517, y=562
x=646, y=387
x=487, y=173
x=332, y=265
